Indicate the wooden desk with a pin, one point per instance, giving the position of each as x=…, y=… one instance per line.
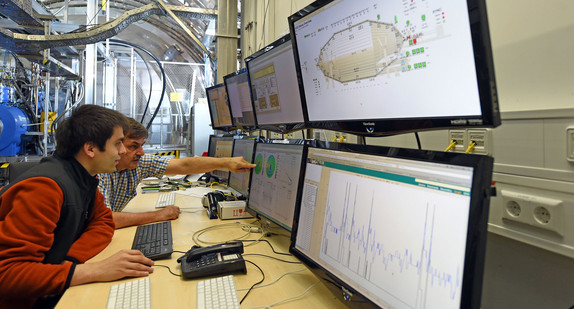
x=169, y=291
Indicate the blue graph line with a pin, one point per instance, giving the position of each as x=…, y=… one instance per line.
x=363, y=239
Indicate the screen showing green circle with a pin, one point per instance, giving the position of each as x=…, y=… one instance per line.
x=258, y=163
x=270, y=166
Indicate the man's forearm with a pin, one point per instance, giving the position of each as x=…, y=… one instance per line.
x=195, y=165
x=123, y=219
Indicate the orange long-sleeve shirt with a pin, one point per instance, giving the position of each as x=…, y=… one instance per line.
x=29, y=213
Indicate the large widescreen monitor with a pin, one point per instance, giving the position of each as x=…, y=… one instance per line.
x=218, y=107
x=274, y=182
x=381, y=67
x=239, y=182
x=395, y=228
x=274, y=87
x=239, y=98
x=220, y=146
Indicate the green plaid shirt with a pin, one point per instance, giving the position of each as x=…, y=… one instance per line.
x=119, y=188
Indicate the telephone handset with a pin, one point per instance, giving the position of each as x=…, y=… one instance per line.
x=210, y=201
x=213, y=260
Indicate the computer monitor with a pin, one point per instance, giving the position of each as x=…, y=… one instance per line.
x=394, y=228
x=274, y=87
x=220, y=146
x=239, y=98
x=382, y=67
x=239, y=182
x=274, y=182
x=218, y=107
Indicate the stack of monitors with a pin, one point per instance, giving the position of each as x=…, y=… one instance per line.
x=220, y=146
x=239, y=182
x=385, y=227
x=239, y=98
x=382, y=67
x=218, y=108
x=394, y=228
x=274, y=182
x=274, y=87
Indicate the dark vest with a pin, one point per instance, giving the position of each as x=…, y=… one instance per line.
x=79, y=189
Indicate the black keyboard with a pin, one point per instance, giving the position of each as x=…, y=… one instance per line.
x=154, y=240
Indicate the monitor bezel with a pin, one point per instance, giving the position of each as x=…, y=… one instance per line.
x=477, y=220
x=248, y=128
x=258, y=214
x=211, y=112
x=485, y=74
x=255, y=141
x=281, y=128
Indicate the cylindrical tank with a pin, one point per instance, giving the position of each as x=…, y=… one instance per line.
x=13, y=123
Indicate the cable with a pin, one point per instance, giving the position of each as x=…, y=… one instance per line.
x=290, y=298
x=162, y=75
x=171, y=272
x=272, y=257
x=265, y=240
x=251, y=288
x=192, y=211
x=450, y=146
x=161, y=8
x=276, y=280
x=147, y=67
x=418, y=140
x=198, y=234
x=470, y=147
x=264, y=20
x=84, y=27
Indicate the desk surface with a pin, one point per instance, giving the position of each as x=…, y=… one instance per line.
x=171, y=291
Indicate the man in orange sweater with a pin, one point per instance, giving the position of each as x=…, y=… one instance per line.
x=53, y=218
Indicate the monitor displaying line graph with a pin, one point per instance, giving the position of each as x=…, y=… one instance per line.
x=394, y=230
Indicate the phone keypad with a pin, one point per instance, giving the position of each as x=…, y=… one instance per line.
x=206, y=260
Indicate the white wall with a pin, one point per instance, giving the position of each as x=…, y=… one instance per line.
x=265, y=21
x=531, y=43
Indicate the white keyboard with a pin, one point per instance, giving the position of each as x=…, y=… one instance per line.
x=165, y=199
x=217, y=293
x=130, y=294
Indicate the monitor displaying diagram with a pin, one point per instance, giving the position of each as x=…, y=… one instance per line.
x=218, y=107
x=239, y=98
x=274, y=84
x=274, y=182
x=380, y=59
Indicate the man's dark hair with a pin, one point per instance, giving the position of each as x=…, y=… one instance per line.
x=137, y=130
x=88, y=123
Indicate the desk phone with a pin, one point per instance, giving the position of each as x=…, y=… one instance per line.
x=212, y=260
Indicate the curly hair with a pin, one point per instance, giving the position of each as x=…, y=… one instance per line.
x=137, y=130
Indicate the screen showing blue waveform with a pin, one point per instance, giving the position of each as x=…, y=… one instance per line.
x=394, y=229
